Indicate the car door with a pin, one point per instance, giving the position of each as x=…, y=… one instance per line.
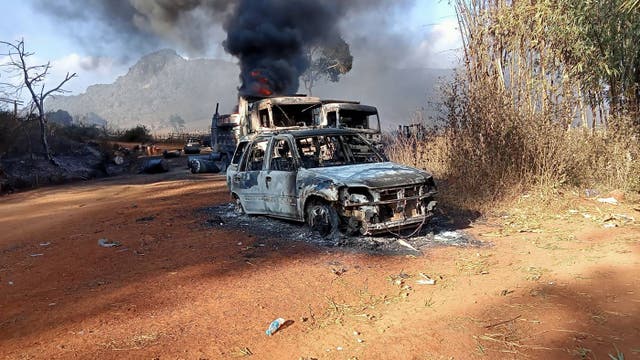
x=233, y=166
x=280, y=179
x=248, y=183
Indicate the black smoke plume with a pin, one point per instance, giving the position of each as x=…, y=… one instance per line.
x=270, y=37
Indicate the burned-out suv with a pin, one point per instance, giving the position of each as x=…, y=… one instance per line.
x=333, y=179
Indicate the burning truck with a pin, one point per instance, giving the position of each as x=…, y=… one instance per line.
x=256, y=114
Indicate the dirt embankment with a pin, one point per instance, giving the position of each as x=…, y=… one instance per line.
x=558, y=286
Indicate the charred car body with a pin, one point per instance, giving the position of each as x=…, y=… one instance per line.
x=333, y=179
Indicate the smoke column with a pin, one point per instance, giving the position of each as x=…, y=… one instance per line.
x=270, y=37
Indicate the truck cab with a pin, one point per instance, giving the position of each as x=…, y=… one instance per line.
x=351, y=115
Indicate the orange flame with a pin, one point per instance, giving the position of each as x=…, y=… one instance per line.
x=262, y=87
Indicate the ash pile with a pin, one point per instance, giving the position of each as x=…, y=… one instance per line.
x=439, y=232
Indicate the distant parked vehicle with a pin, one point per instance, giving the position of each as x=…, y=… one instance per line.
x=192, y=146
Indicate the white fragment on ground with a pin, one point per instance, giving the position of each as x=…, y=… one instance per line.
x=45, y=244
x=107, y=243
x=448, y=236
x=426, y=280
x=407, y=245
x=609, y=200
x=35, y=255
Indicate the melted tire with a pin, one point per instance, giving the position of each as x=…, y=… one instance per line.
x=323, y=219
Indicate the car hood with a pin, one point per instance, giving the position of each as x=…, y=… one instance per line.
x=373, y=175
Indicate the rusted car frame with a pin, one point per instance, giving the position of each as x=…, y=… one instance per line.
x=331, y=178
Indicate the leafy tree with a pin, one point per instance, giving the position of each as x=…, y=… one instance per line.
x=327, y=62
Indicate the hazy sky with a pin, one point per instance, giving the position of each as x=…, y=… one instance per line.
x=422, y=35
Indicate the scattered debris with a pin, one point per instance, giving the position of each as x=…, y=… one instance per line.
x=439, y=232
x=155, y=166
x=199, y=166
x=502, y=322
x=45, y=244
x=407, y=245
x=339, y=271
x=615, y=220
x=506, y=292
x=274, y=326
x=35, y=255
x=108, y=243
x=10, y=282
x=609, y=200
x=591, y=193
x=245, y=351
x=426, y=280
x=623, y=217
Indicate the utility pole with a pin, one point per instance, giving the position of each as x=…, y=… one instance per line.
x=15, y=105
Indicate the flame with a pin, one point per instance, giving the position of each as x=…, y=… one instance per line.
x=262, y=85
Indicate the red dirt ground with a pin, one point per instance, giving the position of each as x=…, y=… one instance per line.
x=551, y=287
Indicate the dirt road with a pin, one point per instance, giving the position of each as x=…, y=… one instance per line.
x=548, y=287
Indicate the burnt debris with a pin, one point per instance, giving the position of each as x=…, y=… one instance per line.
x=440, y=232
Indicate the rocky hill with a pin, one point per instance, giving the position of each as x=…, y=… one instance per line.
x=165, y=91
x=162, y=90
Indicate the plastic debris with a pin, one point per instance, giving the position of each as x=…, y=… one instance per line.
x=35, y=255
x=274, y=326
x=45, y=244
x=407, y=245
x=108, y=243
x=591, y=193
x=426, y=280
x=609, y=200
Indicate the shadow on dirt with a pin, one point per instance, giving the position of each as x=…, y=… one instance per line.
x=593, y=317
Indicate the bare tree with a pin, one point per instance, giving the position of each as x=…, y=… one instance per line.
x=33, y=77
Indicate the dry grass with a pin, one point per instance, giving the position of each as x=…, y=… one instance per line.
x=516, y=118
x=497, y=158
